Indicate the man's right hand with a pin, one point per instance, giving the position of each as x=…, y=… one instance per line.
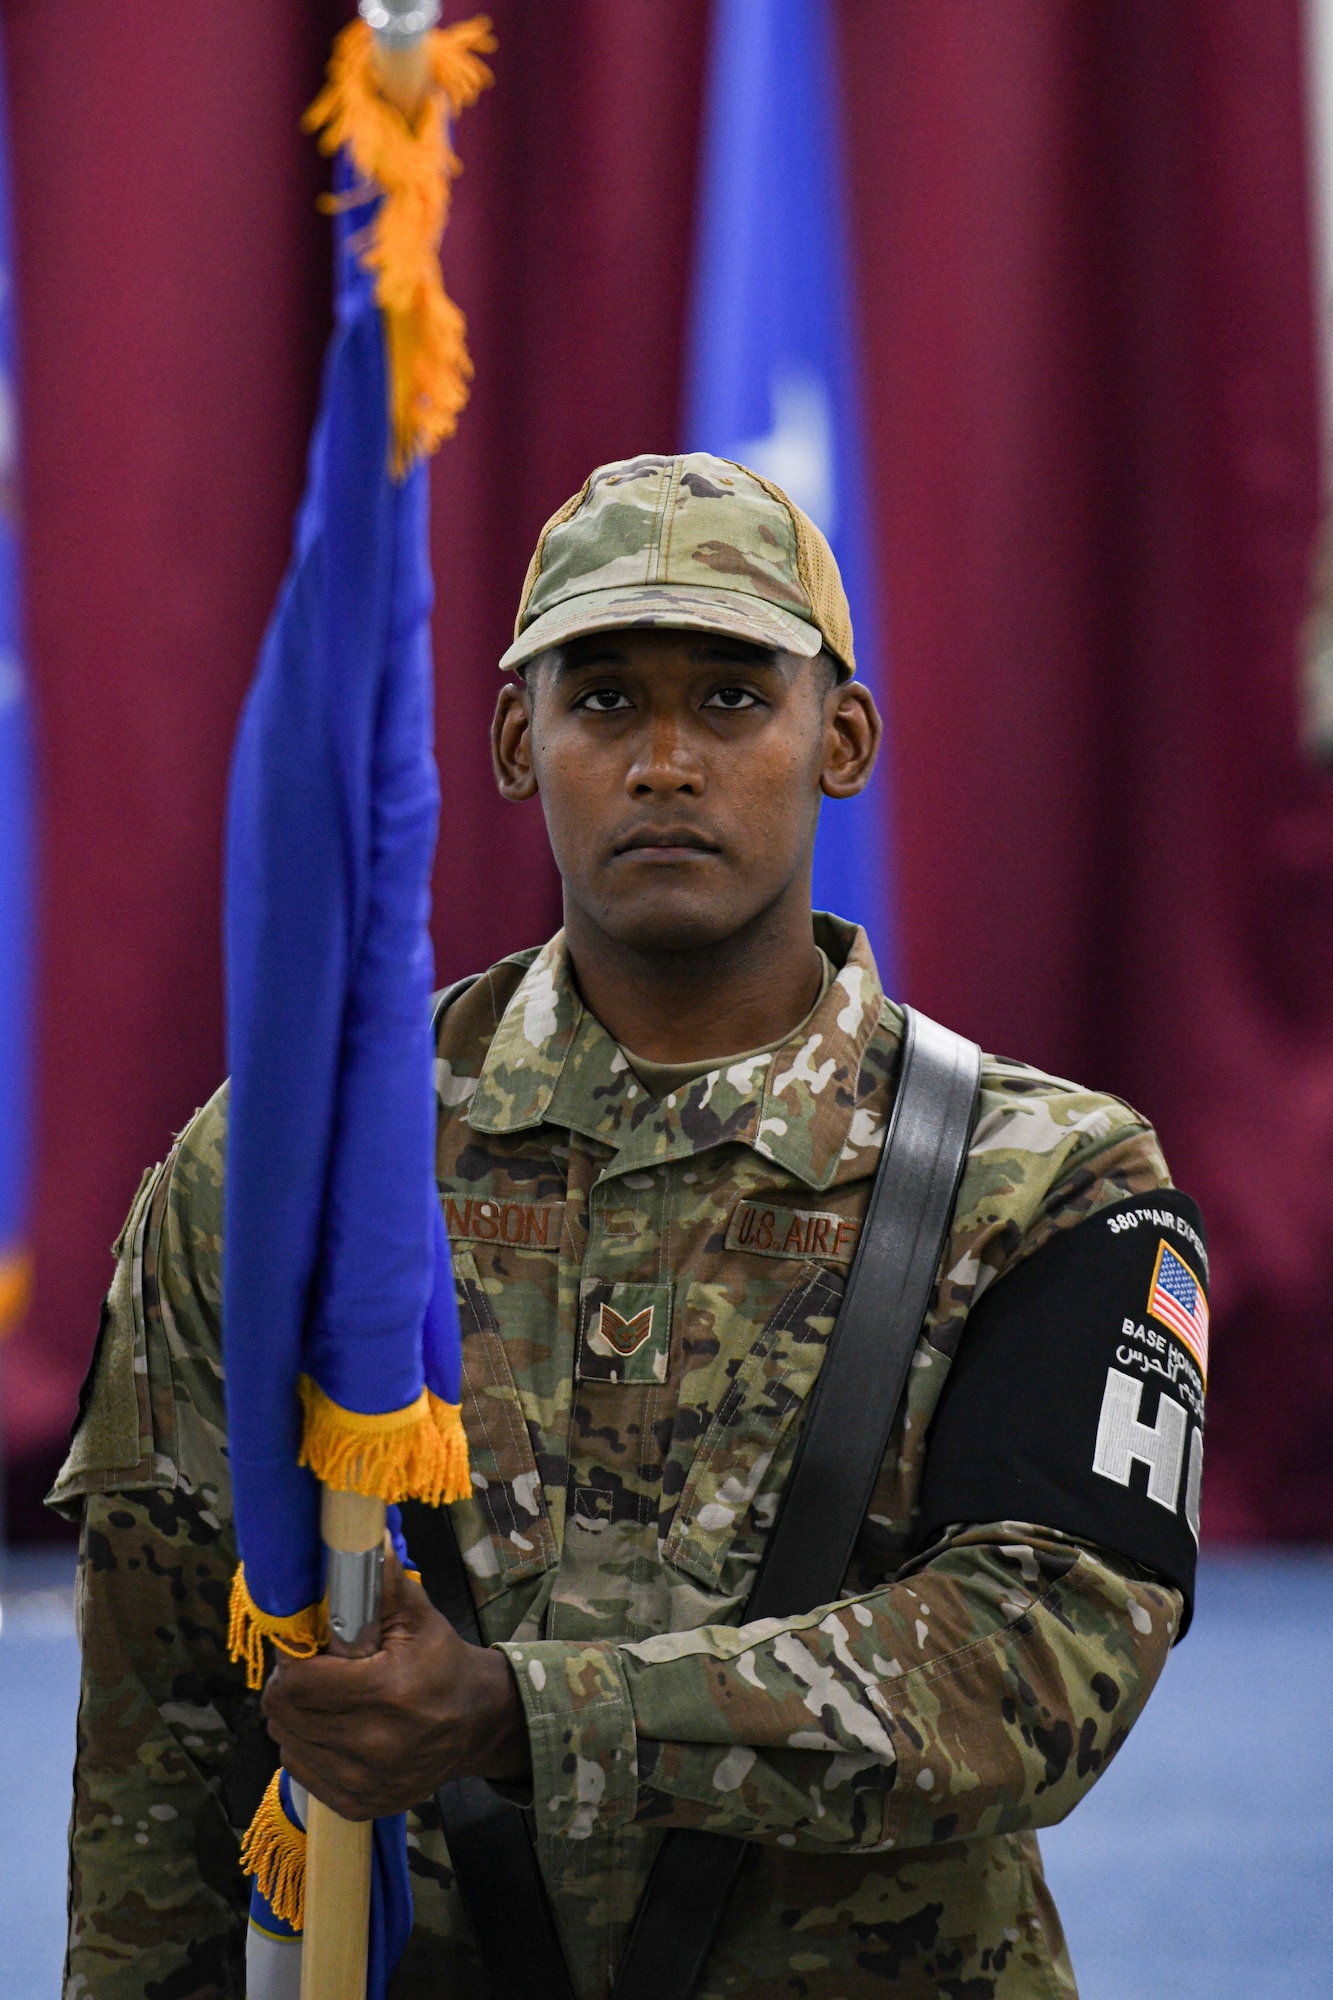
x=375, y=1736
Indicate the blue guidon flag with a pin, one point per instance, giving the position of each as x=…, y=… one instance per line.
x=340, y=1330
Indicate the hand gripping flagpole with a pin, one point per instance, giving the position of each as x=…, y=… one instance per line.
x=340, y=1331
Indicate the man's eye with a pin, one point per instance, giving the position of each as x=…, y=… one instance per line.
x=603, y=701
x=731, y=697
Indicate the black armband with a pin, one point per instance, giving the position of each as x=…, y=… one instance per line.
x=1076, y=1398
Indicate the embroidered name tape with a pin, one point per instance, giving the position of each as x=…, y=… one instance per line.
x=524, y=1225
x=792, y=1232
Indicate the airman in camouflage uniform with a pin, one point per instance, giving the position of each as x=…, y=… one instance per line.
x=647, y=1285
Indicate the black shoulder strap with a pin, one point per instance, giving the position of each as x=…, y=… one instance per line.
x=842, y=1446
x=888, y=1292
x=490, y=1844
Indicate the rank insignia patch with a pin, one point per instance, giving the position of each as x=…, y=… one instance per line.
x=1177, y=1300
x=625, y=1334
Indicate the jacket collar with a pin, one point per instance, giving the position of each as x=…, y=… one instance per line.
x=551, y=1062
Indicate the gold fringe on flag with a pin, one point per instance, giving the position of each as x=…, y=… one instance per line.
x=273, y=1851
x=448, y=1420
x=413, y=164
x=416, y=1453
x=301, y=1635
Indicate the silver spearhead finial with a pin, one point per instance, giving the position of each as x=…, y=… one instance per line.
x=399, y=23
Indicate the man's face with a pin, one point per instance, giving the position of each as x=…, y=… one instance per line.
x=681, y=775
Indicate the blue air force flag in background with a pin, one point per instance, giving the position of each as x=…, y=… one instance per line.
x=16, y=843
x=773, y=365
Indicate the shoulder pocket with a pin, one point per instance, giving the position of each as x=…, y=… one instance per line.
x=112, y=1443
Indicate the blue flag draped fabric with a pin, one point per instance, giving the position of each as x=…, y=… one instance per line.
x=16, y=834
x=340, y=1330
x=772, y=378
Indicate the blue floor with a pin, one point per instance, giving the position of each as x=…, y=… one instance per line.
x=39, y=1696
x=1201, y=1868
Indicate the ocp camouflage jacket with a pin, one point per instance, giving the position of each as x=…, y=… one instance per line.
x=647, y=1290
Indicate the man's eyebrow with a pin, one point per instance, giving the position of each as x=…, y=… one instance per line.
x=589, y=654
x=710, y=649
x=735, y=651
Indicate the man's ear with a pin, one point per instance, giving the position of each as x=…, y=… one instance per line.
x=852, y=733
x=511, y=742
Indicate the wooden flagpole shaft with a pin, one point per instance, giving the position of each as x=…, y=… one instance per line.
x=337, y=1879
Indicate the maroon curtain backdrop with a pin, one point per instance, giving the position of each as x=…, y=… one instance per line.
x=1086, y=273
x=172, y=299
x=1088, y=333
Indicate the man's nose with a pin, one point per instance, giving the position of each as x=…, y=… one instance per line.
x=665, y=763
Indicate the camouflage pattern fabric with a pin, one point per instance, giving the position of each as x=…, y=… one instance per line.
x=172, y=1750
x=647, y=1289
x=692, y=542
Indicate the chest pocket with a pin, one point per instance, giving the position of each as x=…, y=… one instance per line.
x=730, y=1485
x=504, y=1530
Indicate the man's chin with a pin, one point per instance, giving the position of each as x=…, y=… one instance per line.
x=671, y=919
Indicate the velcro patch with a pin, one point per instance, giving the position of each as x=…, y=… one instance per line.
x=1178, y=1300
x=523, y=1225
x=792, y=1232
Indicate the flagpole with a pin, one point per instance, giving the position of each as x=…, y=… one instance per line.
x=337, y=1923
x=343, y=678
x=338, y=1851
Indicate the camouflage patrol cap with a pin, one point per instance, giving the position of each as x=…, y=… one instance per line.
x=693, y=541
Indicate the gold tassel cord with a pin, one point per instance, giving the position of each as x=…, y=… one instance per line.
x=273, y=1851
x=416, y=1453
x=413, y=164
x=301, y=1635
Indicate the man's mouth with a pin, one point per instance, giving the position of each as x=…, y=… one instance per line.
x=666, y=843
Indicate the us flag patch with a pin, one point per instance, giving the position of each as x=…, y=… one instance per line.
x=1177, y=1300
